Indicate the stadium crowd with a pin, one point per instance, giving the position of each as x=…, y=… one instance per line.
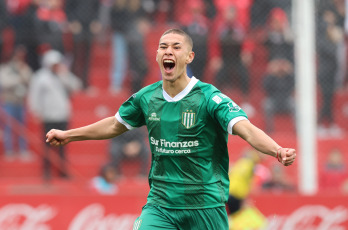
x=240, y=46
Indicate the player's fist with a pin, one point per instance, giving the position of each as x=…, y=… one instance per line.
x=286, y=156
x=57, y=137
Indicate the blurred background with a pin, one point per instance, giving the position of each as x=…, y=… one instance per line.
x=69, y=63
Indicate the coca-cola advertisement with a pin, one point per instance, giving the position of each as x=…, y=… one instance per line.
x=69, y=212
x=94, y=212
x=293, y=212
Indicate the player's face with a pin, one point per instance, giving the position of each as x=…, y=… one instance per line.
x=173, y=55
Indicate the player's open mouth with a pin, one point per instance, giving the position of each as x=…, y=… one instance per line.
x=168, y=65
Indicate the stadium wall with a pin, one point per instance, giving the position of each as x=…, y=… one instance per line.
x=85, y=212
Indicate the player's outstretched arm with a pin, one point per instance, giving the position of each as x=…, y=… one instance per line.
x=264, y=143
x=103, y=129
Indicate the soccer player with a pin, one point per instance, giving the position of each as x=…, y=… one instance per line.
x=188, y=122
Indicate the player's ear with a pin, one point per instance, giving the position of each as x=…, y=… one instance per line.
x=190, y=57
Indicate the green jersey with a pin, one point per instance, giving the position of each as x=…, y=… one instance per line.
x=188, y=140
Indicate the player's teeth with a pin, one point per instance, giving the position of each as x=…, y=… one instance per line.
x=168, y=61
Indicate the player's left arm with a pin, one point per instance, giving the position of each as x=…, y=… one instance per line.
x=263, y=143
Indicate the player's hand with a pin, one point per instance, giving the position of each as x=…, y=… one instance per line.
x=57, y=137
x=286, y=156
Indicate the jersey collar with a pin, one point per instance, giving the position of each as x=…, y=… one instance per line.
x=183, y=93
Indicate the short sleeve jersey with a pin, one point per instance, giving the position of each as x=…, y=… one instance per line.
x=188, y=141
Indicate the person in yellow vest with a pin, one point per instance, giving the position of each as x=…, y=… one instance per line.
x=241, y=179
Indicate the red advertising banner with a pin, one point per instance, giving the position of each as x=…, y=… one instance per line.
x=59, y=212
x=52, y=212
x=290, y=212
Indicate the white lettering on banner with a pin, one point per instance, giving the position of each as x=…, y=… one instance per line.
x=26, y=217
x=311, y=217
x=93, y=217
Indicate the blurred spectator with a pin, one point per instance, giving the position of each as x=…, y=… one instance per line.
x=49, y=100
x=279, y=86
x=197, y=25
x=210, y=9
x=279, y=182
x=336, y=6
x=104, y=183
x=22, y=20
x=241, y=178
x=259, y=13
x=103, y=21
x=83, y=23
x=334, y=172
x=150, y=9
x=132, y=146
x=231, y=61
x=285, y=5
x=163, y=11
x=330, y=35
x=123, y=14
x=339, y=8
x=138, y=65
x=279, y=38
x=14, y=82
x=241, y=7
x=261, y=9
x=3, y=25
x=50, y=25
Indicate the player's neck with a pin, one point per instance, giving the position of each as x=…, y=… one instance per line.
x=173, y=88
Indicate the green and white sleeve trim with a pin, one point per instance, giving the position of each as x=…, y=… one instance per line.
x=119, y=118
x=233, y=122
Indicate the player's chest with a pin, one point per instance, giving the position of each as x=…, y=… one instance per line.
x=184, y=115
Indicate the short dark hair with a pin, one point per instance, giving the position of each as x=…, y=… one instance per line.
x=181, y=32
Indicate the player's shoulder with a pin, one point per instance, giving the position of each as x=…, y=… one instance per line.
x=148, y=90
x=207, y=89
x=213, y=95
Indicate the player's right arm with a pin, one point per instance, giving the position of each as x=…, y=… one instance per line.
x=104, y=129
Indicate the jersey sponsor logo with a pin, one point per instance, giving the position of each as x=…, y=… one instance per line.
x=173, y=147
x=137, y=224
x=173, y=144
x=188, y=119
x=154, y=117
x=217, y=99
x=233, y=107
